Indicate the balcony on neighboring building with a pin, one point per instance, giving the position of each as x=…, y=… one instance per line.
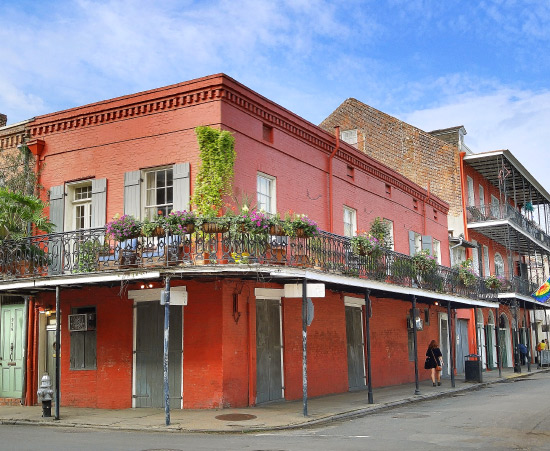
x=47, y=258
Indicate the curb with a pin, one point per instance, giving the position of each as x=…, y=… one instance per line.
x=306, y=424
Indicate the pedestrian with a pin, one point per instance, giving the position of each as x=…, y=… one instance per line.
x=522, y=352
x=434, y=361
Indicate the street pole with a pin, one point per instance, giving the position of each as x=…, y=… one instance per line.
x=451, y=346
x=497, y=336
x=413, y=314
x=304, y=346
x=369, y=367
x=57, y=350
x=166, y=343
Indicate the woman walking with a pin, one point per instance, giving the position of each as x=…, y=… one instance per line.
x=434, y=361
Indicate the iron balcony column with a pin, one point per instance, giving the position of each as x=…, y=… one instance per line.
x=497, y=336
x=528, y=338
x=166, y=343
x=367, y=325
x=304, y=346
x=417, y=388
x=57, y=350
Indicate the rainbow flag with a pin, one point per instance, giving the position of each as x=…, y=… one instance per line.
x=543, y=293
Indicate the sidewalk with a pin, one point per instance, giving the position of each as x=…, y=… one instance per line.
x=280, y=415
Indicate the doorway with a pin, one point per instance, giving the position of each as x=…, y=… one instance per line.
x=269, y=359
x=11, y=349
x=461, y=344
x=149, y=352
x=355, y=347
x=444, y=344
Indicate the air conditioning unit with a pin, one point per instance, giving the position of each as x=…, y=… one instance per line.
x=81, y=322
x=419, y=323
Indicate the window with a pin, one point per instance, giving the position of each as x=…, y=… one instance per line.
x=471, y=199
x=159, y=191
x=349, y=136
x=350, y=221
x=83, y=343
x=437, y=250
x=475, y=257
x=487, y=269
x=79, y=210
x=482, y=199
x=417, y=243
x=499, y=265
x=266, y=193
x=389, y=223
x=495, y=207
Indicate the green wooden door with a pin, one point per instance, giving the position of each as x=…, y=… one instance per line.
x=503, y=348
x=489, y=350
x=11, y=351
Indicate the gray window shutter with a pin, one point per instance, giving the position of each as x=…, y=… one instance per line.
x=412, y=249
x=181, y=186
x=57, y=206
x=427, y=244
x=132, y=193
x=99, y=202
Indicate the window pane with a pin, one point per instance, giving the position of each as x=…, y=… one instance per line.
x=161, y=179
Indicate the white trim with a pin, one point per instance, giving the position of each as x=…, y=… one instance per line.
x=151, y=294
x=447, y=367
x=350, y=301
x=73, y=280
x=272, y=191
x=269, y=293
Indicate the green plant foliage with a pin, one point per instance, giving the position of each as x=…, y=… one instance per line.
x=215, y=177
x=380, y=229
x=17, y=171
x=17, y=211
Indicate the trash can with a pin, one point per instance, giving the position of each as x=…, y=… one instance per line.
x=472, y=368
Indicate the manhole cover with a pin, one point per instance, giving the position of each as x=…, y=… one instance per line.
x=235, y=417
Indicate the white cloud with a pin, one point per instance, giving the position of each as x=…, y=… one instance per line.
x=504, y=119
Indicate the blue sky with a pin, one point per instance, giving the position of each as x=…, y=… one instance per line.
x=483, y=64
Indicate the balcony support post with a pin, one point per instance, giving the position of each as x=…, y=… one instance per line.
x=304, y=346
x=57, y=350
x=451, y=347
x=415, y=345
x=367, y=339
x=166, y=348
x=497, y=340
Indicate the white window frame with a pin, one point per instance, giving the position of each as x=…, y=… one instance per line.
x=482, y=199
x=499, y=263
x=350, y=227
x=436, y=250
x=145, y=206
x=271, y=196
x=72, y=204
x=470, y=185
x=389, y=222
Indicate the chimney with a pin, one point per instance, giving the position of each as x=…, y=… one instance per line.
x=3, y=120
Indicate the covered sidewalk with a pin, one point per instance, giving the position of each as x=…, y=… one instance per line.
x=273, y=416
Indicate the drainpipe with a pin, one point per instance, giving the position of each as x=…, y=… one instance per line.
x=331, y=156
x=463, y=193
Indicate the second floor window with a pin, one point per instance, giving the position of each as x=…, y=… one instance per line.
x=80, y=196
x=470, y=183
x=350, y=221
x=266, y=193
x=159, y=193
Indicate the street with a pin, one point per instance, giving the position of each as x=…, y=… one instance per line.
x=511, y=415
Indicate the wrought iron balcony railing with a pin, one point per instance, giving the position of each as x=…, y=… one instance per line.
x=91, y=251
x=493, y=212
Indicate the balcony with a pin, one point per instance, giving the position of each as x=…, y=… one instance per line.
x=493, y=221
x=91, y=251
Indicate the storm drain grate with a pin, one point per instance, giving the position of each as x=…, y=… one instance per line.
x=235, y=417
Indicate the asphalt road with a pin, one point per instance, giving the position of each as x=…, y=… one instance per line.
x=513, y=415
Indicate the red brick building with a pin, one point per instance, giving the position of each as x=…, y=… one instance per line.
x=237, y=340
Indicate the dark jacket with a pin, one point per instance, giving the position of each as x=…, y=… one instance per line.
x=432, y=358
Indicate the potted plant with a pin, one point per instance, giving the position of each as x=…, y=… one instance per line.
x=252, y=222
x=494, y=282
x=155, y=227
x=277, y=226
x=124, y=227
x=466, y=273
x=366, y=244
x=380, y=229
x=300, y=226
x=424, y=263
x=181, y=222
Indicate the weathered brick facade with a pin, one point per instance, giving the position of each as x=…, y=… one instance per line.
x=414, y=153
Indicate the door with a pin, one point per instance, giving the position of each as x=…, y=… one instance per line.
x=502, y=341
x=461, y=344
x=269, y=379
x=150, y=352
x=444, y=344
x=11, y=350
x=489, y=332
x=355, y=344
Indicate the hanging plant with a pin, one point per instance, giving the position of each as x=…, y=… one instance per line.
x=215, y=176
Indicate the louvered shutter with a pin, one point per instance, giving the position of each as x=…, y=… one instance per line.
x=412, y=248
x=427, y=243
x=57, y=206
x=182, y=186
x=132, y=193
x=99, y=202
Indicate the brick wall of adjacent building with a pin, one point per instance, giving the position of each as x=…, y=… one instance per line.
x=410, y=151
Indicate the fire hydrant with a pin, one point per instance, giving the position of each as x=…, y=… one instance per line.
x=45, y=393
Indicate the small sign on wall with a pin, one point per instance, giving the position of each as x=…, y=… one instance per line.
x=176, y=297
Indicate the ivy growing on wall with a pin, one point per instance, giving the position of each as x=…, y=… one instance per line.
x=215, y=176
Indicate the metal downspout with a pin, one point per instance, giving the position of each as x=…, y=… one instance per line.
x=330, y=189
